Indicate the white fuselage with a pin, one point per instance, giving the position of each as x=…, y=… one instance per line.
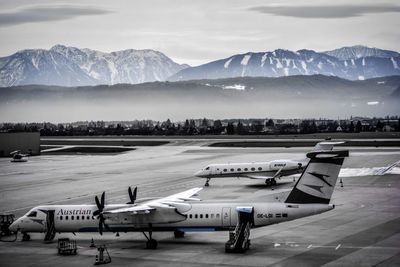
x=201, y=216
x=270, y=168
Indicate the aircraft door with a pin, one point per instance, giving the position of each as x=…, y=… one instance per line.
x=226, y=217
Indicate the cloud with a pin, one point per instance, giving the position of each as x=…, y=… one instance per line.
x=48, y=13
x=329, y=12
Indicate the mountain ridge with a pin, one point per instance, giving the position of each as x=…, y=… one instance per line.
x=71, y=66
x=282, y=62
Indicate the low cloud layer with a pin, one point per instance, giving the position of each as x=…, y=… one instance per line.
x=47, y=13
x=328, y=12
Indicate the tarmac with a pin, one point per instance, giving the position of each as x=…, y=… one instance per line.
x=362, y=230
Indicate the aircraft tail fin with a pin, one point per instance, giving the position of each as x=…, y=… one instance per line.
x=318, y=180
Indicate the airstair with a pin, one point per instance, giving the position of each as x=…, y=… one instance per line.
x=239, y=239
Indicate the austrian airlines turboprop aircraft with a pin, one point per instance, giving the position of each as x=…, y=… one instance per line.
x=267, y=171
x=183, y=213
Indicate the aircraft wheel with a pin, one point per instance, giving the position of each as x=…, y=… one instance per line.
x=273, y=182
x=26, y=237
x=151, y=244
x=206, y=184
x=179, y=234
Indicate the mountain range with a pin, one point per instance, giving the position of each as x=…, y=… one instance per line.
x=353, y=63
x=70, y=66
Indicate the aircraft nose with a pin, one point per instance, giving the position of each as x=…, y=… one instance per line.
x=14, y=226
x=199, y=173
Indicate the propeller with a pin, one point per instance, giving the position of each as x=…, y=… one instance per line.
x=99, y=212
x=132, y=195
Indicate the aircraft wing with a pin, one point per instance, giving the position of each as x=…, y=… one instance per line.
x=386, y=169
x=258, y=177
x=169, y=202
x=276, y=175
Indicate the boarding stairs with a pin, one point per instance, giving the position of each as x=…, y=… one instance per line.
x=239, y=239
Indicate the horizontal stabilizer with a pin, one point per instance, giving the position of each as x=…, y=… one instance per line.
x=326, y=145
x=386, y=169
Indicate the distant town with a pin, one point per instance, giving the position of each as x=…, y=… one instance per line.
x=208, y=127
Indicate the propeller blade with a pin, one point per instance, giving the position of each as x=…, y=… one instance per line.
x=98, y=203
x=132, y=195
x=101, y=226
x=103, y=195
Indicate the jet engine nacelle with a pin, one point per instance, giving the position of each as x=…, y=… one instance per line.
x=276, y=165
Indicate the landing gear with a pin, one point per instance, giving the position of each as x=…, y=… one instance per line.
x=207, y=182
x=270, y=182
x=179, y=234
x=26, y=237
x=151, y=243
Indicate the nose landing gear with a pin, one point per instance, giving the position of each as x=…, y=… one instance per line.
x=26, y=237
x=207, y=182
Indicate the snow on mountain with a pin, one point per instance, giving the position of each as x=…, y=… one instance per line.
x=70, y=66
x=359, y=51
x=303, y=62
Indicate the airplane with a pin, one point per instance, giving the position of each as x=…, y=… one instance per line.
x=18, y=156
x=181, y=212
x=267, y=171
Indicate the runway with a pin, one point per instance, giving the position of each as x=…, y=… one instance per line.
x=363, y=229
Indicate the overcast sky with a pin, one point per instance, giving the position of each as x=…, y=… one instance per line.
x=196, y=32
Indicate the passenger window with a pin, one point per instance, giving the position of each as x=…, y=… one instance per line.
x=253, y=169
x=246, y=169
x=72, y=217
x=284, y=215
x=232, y=170
x=190, y=216
x=32, y=214
x=239, y=169
x=225, y=170
x=87, y=217
x=217, y=215
x=195, y=216
x=206, y=216
x=77, y=217
x=83, y=217
x=259, y=168
x=201, y=216
x=61, y=217
x=66, y=218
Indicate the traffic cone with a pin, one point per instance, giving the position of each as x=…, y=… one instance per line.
x=92, y=245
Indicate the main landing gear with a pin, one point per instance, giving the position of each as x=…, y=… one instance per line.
x=151, y=243
x=270, y=182
x=26, y=237
x=207, y=182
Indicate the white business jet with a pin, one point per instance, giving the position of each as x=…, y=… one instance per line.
x=267, y=171
x=182, y=213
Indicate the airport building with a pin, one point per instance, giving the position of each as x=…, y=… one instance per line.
x=26, y=142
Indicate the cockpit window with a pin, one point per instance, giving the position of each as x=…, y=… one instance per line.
x=207, y=168
x=32, y=214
